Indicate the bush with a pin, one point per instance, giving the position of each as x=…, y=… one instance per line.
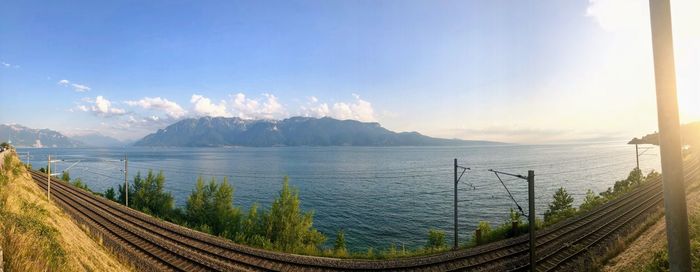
x=591, y=201
x=436, y=240
x=339, y=247
x=65, y=176
x=110, y=194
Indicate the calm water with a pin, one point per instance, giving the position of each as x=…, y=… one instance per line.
x=377, y=195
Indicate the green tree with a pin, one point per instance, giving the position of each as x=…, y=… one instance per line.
x=65, y=176
x=636, y=177
x=287, y=227
x=560, y=208
x=5, y=145
x=339, y=246
x=211, y=205
x=252, y=229
x=78, y=182
x=110, y=194
x=436, y=240
x=148, y=195
x=591, y=201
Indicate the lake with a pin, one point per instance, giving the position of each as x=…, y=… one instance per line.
x=378, y=195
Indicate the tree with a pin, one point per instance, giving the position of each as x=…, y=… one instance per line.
x=80, y=184
x=110, y=194
x=211, y=205
x=5, y=145
x=560, y=208
x=591, y=201
x=148, y=195
x=287, y=227
x=436, y=240
x=339, y=246
x=65, y=176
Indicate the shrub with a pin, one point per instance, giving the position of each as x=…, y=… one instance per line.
x=436, y=240
x=110, y=194
x=339, y=247
x=591, y=201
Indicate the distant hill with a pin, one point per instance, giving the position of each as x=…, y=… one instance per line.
x=28, y=137
x=295, y=131
x=690, y=135
x=99, y=140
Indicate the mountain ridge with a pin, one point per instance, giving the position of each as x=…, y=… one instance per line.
x=22, y=136
x=293, y=131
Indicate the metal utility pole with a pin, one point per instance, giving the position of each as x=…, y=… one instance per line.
x=531, y=205
x=457, y=178
x=636, y=151
x=48, y=179
x=531, y=216
x=669, y=136
x=456, y=227
x=126, y=182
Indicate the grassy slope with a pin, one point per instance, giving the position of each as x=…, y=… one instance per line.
x=36, y=235
x=639, y=254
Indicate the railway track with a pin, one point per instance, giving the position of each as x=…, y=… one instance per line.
x=153, y=244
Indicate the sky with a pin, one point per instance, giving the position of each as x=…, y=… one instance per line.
x=514, y=71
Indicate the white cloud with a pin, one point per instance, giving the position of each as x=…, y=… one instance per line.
x=359, y=109
x=620, y=15
x=8, y=65
x=76, y=87
x=267, y=107
x=204, y=107
x=170, y=108
x=101, y=106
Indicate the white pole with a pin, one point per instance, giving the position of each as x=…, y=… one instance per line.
x=669, y=137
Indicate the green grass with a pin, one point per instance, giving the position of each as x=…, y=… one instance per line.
x=660, y=260
x=27, y=241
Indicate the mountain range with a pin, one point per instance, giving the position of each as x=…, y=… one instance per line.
x=21, y=136
x=294, y=131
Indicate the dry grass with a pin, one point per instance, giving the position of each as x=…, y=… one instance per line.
x=637, y=255
x=38, y=236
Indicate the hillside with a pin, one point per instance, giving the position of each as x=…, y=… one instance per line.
x=99, y=140
x=28, y=137
x=36, y=235
x=295, y=131
x=690, y=134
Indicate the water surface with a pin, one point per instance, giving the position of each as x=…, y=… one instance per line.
x=378, y=195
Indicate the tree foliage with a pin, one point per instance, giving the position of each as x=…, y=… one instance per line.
x=148, y=195
x=591, y=201
x=211, y=205
x=339, y=247
x=436, y=240
x=110, y=194
x=560, y=208
x=65, y=176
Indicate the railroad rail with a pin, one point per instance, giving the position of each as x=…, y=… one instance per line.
x=156, y=245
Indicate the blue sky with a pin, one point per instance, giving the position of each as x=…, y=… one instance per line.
x=519, y=71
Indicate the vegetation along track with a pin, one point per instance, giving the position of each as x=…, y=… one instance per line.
x=153, y=244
